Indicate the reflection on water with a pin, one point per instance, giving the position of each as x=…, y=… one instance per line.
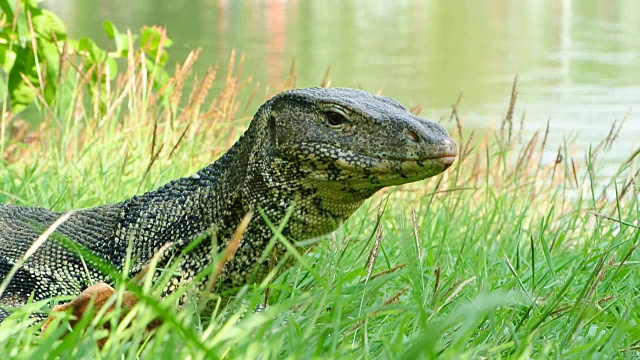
x=578, y=62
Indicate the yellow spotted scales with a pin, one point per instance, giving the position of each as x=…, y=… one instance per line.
x=318, y=151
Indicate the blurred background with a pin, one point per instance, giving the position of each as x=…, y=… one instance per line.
x=577, y=61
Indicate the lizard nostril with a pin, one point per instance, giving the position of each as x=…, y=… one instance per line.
x=413, y=136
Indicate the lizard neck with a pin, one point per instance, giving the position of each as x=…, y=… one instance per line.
x=183, y=209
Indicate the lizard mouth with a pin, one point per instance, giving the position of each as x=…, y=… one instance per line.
x=447, y=160
x=446, y=157
x=443, y=158
x=333, y=164
x=388, y=172
x=391, y=165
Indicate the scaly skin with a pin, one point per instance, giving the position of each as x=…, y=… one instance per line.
x=321, y=151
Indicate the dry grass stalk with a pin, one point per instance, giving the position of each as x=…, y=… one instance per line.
x=455, y=293
x=508, y=120
x=388, y=271
x=373, y=254
x=326, y=78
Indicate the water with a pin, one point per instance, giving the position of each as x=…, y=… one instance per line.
x=577, y=62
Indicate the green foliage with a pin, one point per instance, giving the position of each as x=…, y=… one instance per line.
x=34, y=43
x=23, y=63
x=504, y=258
x=509, y=255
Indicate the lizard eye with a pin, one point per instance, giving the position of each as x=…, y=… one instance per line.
x=335, y=119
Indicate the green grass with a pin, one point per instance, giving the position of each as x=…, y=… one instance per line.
x=503, y=256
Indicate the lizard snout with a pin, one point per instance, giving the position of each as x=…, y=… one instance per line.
x=431, y=138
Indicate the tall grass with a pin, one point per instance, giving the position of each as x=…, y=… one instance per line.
x=506, y=255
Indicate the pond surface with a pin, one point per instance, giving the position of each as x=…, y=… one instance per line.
x=577, y=62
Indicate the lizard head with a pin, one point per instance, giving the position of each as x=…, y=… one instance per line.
x=351, y=139
x=326, y=150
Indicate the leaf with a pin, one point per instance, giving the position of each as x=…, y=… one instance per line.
x=8, y=7
x=21, y=94
x=31, y=3
x=22, y=29
x=48, y=54
x=121, y=40
x=110, y=29
x=161, y=75
x=89, y=48
x=47, y=23
x=7, y=58
x=112, y=67
x=150, y=39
